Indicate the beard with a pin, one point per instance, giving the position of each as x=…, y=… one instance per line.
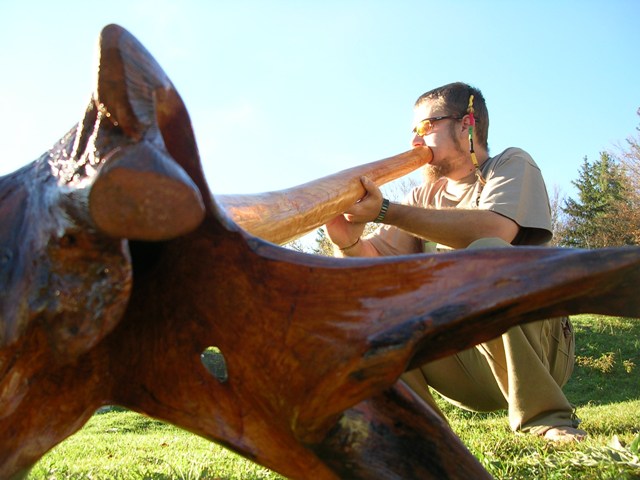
x=432, y=173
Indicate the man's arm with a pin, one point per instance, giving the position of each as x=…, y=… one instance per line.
x=346, y=238
x=456, y=228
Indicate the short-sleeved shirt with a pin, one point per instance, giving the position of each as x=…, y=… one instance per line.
x=515, y=188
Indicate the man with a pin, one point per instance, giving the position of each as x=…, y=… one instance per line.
x=470, y=200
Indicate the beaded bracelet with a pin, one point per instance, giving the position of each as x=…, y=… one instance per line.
x=383, y=210
x=350, y=246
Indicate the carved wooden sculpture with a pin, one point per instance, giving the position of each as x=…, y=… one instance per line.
x=118, y=269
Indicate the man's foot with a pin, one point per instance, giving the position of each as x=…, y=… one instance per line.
x=565, y=434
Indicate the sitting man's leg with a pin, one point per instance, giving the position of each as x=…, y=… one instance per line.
x=531, y=364
x=523, y=371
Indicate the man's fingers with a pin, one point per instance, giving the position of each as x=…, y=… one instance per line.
x=372, y=189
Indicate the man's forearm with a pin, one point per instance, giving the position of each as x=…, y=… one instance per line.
x=456, y=228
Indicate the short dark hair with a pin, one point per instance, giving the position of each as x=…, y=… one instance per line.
x=454, y=97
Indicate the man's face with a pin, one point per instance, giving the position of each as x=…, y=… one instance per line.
x=442, y=136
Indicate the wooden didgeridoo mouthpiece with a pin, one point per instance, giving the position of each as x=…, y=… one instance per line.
x=285, y=215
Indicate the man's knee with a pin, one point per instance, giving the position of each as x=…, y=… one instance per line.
x=489, y=242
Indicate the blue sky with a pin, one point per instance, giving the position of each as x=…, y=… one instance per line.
x=281, y=92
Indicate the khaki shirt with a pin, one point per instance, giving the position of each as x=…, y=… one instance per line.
x=515, y=188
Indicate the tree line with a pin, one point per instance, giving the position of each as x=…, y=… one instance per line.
x=606, y=212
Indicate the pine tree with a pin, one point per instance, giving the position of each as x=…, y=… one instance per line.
x=599, y=218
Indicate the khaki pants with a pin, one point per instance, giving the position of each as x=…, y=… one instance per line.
x=521, y=371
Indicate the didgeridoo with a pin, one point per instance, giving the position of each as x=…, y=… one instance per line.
x=285, y=215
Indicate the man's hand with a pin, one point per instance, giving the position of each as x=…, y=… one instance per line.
x=368, y=207
x=343, y=232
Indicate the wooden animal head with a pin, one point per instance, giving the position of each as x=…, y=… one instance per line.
x=120, y=273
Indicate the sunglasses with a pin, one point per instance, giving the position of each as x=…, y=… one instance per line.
x=426, y=125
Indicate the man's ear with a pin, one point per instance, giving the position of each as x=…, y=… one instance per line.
x=466, y=122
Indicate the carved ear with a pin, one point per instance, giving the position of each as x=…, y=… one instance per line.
x=140, y=191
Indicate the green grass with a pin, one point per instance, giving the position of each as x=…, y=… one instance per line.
x=123, y=445
x=605, y=387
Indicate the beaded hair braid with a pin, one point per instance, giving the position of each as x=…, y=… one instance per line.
x=474, y=159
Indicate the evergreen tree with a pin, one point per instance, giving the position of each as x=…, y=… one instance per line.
x=595, y=219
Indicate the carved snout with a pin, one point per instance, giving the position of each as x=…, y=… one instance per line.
x=140, y=191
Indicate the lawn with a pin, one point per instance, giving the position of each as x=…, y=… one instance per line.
x=605, y=387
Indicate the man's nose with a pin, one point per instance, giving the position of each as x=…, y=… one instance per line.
x=418, y=141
